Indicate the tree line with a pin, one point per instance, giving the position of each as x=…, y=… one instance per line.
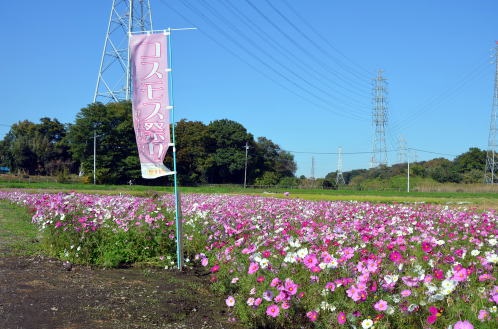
x=213, y=153
x=467, y=168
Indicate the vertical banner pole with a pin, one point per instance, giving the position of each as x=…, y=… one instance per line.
x=178, y=217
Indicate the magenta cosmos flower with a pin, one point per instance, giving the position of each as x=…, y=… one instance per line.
x=463, y=325
x=341, y=318
x=381, y=305
x=273, y=311
x=253, y=268
x=312, y=315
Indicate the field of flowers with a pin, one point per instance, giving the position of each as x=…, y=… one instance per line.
x=290, y=263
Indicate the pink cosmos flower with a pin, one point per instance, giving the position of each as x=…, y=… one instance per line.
x=312, y=315
x=460, y=275
x=273, y=310
x=426, y=247
x=410, y=281
x=275, y=282
x=290, y=287
x=406, y=293
x=253, y=268
x=396, y=257
x=485, y=277
x=438, y=274
x=341, y=318
x=230, y=301
x=215, y=268
x=310, y=261
x=282, y=295
x=434, y=311
x=463, y=325
x=483, y=315
x=381, y=305
x=330, y=286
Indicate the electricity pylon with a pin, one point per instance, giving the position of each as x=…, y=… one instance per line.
x=490, y=174
x=339, y=178
x=379, y=118
x=113, y=81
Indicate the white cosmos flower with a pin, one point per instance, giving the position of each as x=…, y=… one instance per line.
x=475, y=252
x=367, y=323
x=264, y=263
x=290, y=257
x=491, y=257
x=303, y=252
x=391, y=278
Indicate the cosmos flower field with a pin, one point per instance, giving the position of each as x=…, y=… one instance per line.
x=291, y=263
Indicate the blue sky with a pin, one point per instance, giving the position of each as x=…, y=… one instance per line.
x=297, y=72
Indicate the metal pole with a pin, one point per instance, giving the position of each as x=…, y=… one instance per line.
x=94, y=155
x=178, y=219
x=408, y=176
x=245, y=169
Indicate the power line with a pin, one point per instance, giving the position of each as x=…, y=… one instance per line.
x=368, y=152
x=287, y=69
x=283, y=51
x=315, y=44
x=357, y=70
x=301, y=92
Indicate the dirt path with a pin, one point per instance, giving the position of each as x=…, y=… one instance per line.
x=38, y=292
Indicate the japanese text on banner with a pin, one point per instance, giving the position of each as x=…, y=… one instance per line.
x=148, y=59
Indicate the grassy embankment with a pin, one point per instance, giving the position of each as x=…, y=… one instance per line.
x=481, y=196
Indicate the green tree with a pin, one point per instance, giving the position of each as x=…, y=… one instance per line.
x=191, y=139
x=474, y=158
x=443, y=171
x=117, y=156
x=225, y=145
x=271, y=158
x=36, y=148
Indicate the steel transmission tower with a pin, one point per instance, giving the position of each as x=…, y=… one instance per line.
x=490, y=175
x=113, y=81
x=379, y=115
x=339, y=178
x=402, y=150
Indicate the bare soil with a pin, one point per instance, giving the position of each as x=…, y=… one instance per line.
x=39, y=292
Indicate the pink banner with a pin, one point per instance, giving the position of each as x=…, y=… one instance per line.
x=148, y=60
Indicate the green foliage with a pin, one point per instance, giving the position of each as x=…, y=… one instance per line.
x=216, y=154
x=109, y=246
x=467, y=168
x=36, y=148
x=117, y=156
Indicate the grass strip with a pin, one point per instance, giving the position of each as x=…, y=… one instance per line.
x=17, y=234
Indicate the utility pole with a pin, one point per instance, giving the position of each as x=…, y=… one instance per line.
x=245, y=169
x=312, y=168
x=490, y=174
x=94, y=156
x=379, y=119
